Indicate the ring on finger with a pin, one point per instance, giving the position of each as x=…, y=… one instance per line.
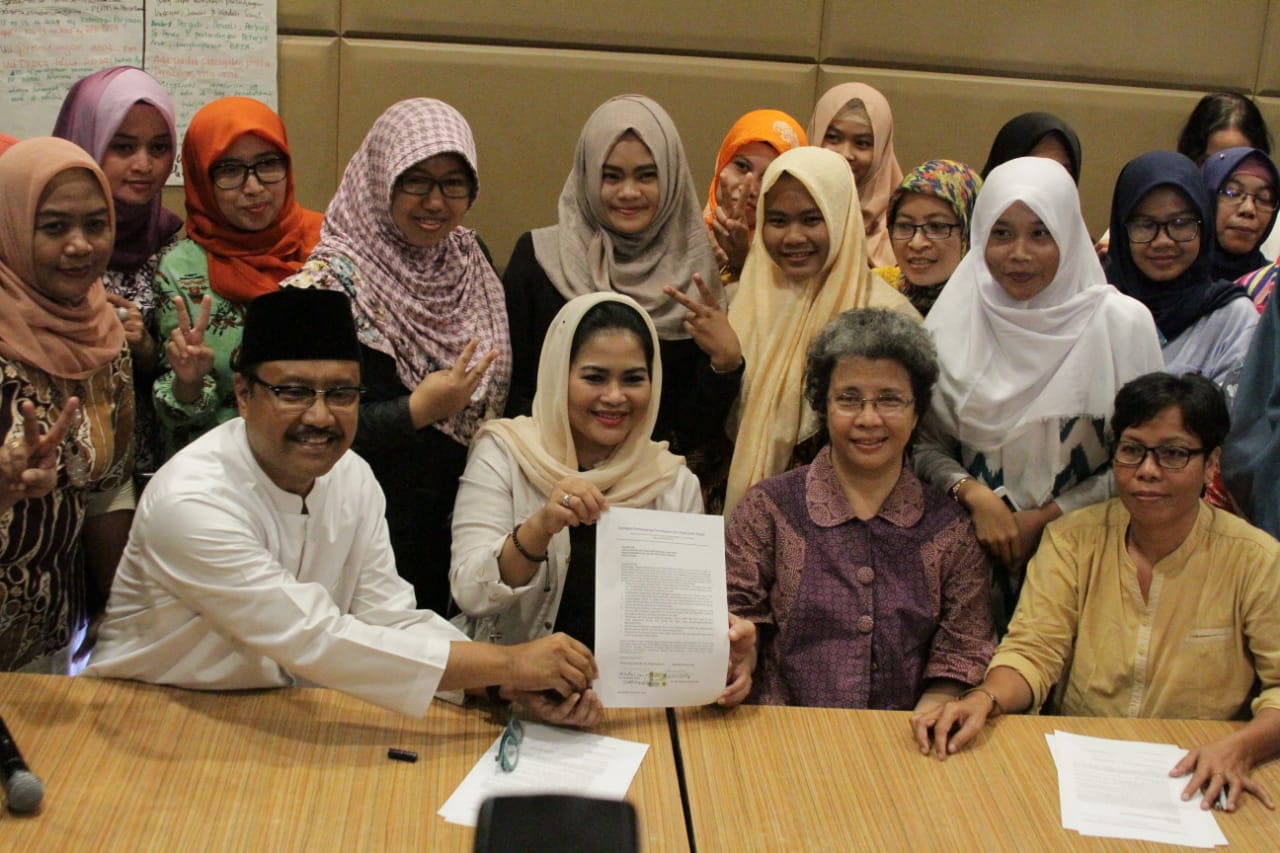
x=566, y=500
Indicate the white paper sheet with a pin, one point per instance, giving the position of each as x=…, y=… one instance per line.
x=1122, y=789
x=552, y=761
x=662, y=613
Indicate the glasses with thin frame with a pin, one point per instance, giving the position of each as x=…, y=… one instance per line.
x=1131, y=454
x=231, y=174
x=1234, y=195
x=299, y=398
x=422, y=185
x=887, y=405
x=509, y=744
x=903, y=232
x=1181, y=229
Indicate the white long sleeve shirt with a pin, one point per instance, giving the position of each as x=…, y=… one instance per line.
x=228, y=582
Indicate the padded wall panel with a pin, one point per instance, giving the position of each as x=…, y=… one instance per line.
x=309, y=107
x=1144, y=42
x=309, y=16
x=1269, y=63
x=954, y=116
x=786, y=29
x=527, y=106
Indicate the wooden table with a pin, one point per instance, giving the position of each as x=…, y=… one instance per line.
x=133, y=767
x=815, y=779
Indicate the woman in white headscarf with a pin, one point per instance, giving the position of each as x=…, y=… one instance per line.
x=1033, y=345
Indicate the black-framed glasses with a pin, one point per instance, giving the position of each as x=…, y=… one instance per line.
x=888, y=405
x=1181, y=229
x=509, y=744
x=451, y=187
x=302, y=397
x=1131, y=454
x=231, y=174
x=905, y=231
x=1234, y=195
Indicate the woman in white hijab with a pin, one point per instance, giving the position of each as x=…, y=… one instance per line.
x=1033, y=345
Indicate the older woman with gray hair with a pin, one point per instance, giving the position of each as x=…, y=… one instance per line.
x=868, y=589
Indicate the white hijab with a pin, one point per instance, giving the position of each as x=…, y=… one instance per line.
x=1011, y=368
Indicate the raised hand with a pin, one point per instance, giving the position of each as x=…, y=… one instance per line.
x=708, y=325
x=141, y=345
x=188, y=356
x=29, y=462
x=732, y=226
x=443, y=393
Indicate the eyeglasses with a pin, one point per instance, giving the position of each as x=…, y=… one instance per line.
x=299, y=398
x=902, y=232
x=509, y=745
x=456, y=187
x=231, y=174
x=1131, y=454
x=1182, y=229
x=1234, y=195
x=887, y=405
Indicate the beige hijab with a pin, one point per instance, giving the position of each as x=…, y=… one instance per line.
x=67, y=341
x=776, y=319
x=639, y=470
x=581, y=255
x=885, y=173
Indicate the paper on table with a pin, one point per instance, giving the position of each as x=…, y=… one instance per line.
x=1122, y=789
x=662, y=613
x=552, y=761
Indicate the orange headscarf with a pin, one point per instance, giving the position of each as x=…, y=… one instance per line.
x=68, y=341
x=775, y=128
x=242, y=264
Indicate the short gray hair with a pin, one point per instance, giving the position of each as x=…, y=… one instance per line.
x=875, y=333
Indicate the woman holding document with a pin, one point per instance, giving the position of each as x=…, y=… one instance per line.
x=523, y=562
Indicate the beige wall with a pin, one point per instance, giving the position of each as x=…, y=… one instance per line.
x=527, y=73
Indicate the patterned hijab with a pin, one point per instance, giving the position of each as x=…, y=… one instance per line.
x=67, y=341
x=582, y=255
x=884, y=175
x=1022, y=133
x=773, y=127
x=242, y=264
x=90, y=116
x=958, y=186
x=775, y=318
x=421, y=306
x=1218, y=169
x=1176, y=304
x=639, y=470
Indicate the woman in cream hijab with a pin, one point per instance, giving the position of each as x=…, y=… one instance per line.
x=524, y=523
x=855, y=121
x=808, y=263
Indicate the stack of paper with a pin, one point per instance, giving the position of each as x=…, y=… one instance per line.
x=552, y=761
x=1122, y=789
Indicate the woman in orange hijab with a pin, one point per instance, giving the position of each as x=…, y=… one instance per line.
x=753, y=142
x=245, y=233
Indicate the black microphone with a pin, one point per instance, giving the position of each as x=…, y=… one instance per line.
x=22, y=789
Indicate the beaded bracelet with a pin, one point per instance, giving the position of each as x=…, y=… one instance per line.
x=515, y=540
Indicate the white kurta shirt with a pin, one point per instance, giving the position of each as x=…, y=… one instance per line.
x=227, y=583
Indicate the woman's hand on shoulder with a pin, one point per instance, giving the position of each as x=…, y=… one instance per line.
x=443, y=393
x=29, y=461
x=708, y=324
